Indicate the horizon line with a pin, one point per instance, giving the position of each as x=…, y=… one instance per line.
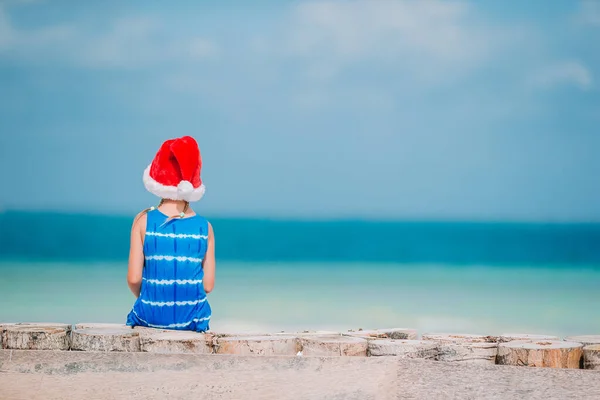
x=321, y=217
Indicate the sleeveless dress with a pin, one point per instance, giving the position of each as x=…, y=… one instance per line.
x=172, y=294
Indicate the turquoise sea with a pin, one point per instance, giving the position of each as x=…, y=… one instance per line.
x=279, y=275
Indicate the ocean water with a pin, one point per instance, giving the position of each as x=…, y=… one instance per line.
x=289, y=275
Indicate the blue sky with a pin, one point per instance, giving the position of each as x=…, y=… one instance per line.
x=424, y=110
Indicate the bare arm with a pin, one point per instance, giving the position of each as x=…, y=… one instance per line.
x=136, y=255
x=209, y=262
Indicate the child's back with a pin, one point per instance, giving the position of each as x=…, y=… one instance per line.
x=172, y=293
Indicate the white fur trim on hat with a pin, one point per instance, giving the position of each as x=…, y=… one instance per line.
x=183, y=191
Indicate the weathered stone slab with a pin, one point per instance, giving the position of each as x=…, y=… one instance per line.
x=427, y=350
x=584, y=339
x=477, y=349
x=36, y=336
x=394, y=333
x=333, y=346
x=459, y=338
x=310, y=333
x=258, y=345
x=86, y=325
x=509, y=337
x=546, y=353
x=105, y=337
x=218, y=334
x=165, y=341
x=591, y=357
x=473, y=353
x=3, y=326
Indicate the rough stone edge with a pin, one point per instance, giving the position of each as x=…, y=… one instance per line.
x=5, y=326
x=511, y=337
x=502, y=354
x=390, y=333
x=104, y=340
x=337, y=339
x=434, y=347
x=456, y=338
x=271, y=338
x=148, y=339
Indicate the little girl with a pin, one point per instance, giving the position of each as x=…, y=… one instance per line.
x=172, y=255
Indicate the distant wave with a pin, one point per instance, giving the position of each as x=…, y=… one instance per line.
x=55, y=236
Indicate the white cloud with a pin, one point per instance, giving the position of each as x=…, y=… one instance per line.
x=425, y=37
x=6, y=31
x=364, y=99
x=126, y=43
x=589, y=13
x=8, y=2
x=199, y=48
x=360, y=28
x=564, y=73
x=373, y=54
x=26, y=44
x=138, y=42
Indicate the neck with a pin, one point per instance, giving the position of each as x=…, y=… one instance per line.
x=179, y=205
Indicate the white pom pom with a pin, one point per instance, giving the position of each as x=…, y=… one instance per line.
x=184, y=188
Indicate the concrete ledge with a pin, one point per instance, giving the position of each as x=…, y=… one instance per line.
x=394, y=342
x=36, y=336
x=323, y=345
x=309, y=333
x=584, y=339
x=541, y=353
x=478, y=353
x=476, y=349
x=396, y=333
x=509, y=337
x=258, y=345
x=591, y=357
x=105, y=337
x=456, y=338
x=174, y=342
x=424, y=349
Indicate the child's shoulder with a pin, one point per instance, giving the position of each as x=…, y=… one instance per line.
x=141, y=215
x=209, y=226
x=140, y=221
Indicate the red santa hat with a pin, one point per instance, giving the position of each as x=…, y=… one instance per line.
x=175, y=171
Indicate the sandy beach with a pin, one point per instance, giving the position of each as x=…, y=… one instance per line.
x=49, y=375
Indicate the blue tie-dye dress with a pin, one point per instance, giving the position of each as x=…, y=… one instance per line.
x=172, y=294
